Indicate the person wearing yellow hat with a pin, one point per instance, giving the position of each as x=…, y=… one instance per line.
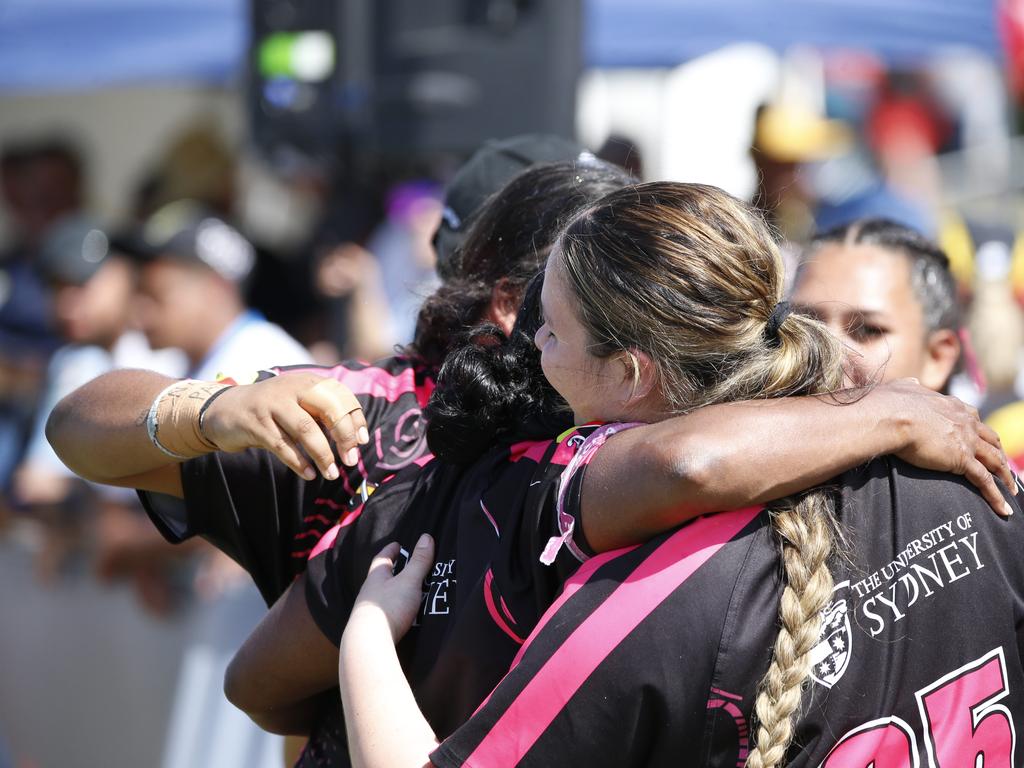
x=785, y=137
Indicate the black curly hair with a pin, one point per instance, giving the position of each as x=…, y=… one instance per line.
x=492, y=387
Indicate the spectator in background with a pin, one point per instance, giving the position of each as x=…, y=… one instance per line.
x=360, y=325
x=193, y=271
x=194, y=267
x=199, y=164
x=997, y=321
x=785, y=138
x=374, y=292
x=887, y=292
x=92, y=289
x=401, y=244
x=905, y=129
x=67, y=629
x=395, y=270
x=40, y=182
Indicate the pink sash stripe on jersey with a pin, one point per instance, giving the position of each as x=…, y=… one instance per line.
x=580, y=577
x=543, y=697
x=325, y=542
x=577, y=580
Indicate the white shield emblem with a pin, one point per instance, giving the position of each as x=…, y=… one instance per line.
x=830, y=657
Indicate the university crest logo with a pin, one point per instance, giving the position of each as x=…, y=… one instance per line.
x=831, y=656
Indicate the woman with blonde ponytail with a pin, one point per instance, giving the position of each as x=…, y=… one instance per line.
x=850, y=624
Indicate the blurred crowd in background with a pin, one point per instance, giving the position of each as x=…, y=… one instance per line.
x=142, y=227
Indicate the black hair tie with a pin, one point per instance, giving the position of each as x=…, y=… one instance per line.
x=775, y=321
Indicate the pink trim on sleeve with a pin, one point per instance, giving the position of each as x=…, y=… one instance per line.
x=583, y=453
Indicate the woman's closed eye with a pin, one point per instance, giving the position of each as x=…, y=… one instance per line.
x=866, y=331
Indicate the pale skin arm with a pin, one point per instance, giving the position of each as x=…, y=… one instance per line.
x=350, y=270
x=738, y=454
x=377, y=699
x=99, y=430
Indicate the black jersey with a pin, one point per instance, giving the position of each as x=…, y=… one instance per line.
x=498, y=527
x=256, y=510
x=652, y=657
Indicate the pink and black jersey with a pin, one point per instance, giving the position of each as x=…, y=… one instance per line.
x=653, y=656
x=493, y=523
x=259, y=512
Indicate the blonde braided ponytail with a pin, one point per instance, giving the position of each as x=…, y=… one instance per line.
x=806, y=533
x=693, y=278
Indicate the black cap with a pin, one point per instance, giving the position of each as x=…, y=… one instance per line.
x=190, y=232
x=486, y=172
x=73, y=250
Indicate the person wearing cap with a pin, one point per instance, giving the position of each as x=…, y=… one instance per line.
x=487, y=171
x=193, y=270
x=91, y=287
x=787, y=136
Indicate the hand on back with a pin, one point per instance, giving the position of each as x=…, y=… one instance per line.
x=947, y=435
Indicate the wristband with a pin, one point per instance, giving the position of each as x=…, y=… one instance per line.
x=209, y=401
x=173, y=421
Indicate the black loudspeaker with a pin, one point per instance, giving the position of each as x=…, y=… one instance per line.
x=406, y=78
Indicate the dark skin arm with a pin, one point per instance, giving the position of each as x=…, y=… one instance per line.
x=283, y=667
x=99, y=430
x=738, y=454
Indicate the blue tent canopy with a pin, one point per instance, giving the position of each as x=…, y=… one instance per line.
x=72, y=44
x=656, y=33
x=75, y=44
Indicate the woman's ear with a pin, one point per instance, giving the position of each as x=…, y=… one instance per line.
x=640, y=378
x=504, y=305
x=941, y=355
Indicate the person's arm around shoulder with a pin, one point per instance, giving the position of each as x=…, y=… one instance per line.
x=103, y=431
x=652, y=478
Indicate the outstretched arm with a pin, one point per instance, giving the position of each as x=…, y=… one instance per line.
x=100, y=432
x=650, y=479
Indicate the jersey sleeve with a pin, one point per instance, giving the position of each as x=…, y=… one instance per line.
x=392, y=393
x=258, y=512
x=249, y=505
x=571, y=461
